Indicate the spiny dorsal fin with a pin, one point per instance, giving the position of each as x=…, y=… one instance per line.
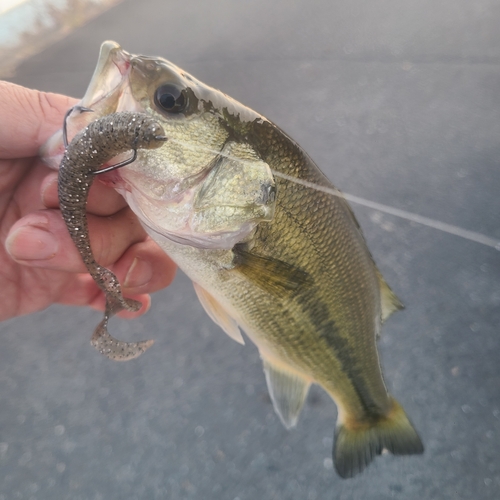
x=389, y=302
x=288, y=391
x=272, y=275
x=218, y=314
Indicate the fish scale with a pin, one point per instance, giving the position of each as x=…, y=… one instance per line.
x=331, y=287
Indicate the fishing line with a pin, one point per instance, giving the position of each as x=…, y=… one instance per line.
x=397, y=212
x=425, y=221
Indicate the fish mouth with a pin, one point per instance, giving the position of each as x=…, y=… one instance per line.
x=108, y=89
x=110, y=77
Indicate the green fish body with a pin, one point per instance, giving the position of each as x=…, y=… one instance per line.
x=228, y=197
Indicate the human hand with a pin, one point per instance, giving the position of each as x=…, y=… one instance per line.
x=39, y=263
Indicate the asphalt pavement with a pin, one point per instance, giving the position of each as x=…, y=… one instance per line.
x=398, y=103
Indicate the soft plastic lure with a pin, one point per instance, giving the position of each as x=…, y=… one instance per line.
x=94, y=146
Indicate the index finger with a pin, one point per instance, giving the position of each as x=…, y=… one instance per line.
x=30, y=117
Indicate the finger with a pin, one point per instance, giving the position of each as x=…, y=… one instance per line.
x=83, y=291
x=33, y=116
x=102, y=200
x=146, y=268
x=27, y=197
x=100, y=304
x=41, y=239
x=49, y=191
x=143, y=269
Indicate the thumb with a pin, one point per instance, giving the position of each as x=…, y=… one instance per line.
x=32, y=117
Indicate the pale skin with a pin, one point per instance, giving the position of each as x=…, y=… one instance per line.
x=40, y=265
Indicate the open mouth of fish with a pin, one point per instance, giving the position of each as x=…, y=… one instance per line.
x=108, y=92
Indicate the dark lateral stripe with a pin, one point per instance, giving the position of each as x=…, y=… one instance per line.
x=319, y=315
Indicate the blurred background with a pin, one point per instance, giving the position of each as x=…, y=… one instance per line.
x=398, y=103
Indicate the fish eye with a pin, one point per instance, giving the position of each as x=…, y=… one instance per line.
x=171, y=98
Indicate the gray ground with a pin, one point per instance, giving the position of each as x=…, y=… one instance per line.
x=398, y=102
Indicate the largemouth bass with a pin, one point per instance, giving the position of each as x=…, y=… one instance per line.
x=286, y=264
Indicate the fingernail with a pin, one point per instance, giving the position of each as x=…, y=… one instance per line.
x=48, y=190
x=31, y=243
x=139, y=274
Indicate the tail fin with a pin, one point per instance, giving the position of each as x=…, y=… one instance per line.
x=357, y=446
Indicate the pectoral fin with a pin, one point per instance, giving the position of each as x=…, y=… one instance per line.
x=288, y=391
x=272, y=275
x=218, y=314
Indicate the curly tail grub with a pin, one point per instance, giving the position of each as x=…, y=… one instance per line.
x=99, y=142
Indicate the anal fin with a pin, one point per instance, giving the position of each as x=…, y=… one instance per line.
x=288, y=391
x=218, y=314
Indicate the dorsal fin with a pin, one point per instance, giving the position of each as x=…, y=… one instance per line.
x=288, y=391
x=389, y=302
x=218, y=314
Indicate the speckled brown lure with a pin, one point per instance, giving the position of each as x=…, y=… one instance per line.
x=98, y=143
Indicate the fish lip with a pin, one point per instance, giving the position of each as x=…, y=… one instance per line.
x=104, y=94
x=110, y=75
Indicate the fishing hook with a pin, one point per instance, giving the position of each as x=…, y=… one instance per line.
x=129, y=160
x=82, y=109
x=118, y=165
